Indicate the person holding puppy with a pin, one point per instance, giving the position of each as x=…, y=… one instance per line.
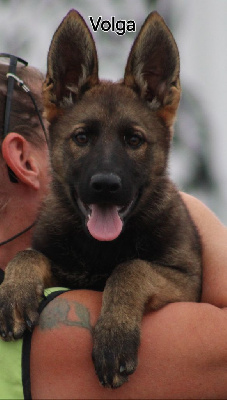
x=183, y=351
x=24, y=150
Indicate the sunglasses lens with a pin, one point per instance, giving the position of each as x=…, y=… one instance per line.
x=12, y=69
x=12, y=57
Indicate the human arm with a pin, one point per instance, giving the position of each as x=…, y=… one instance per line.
x=183, y=354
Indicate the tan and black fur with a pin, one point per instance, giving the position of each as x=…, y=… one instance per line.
x=109, y=146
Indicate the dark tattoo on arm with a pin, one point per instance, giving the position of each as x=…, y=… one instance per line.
x=57, y=313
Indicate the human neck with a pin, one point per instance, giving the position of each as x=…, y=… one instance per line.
x=16, y=214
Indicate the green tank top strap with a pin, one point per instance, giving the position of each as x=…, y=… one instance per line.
x=15, y=359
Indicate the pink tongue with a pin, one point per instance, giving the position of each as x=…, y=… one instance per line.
x=104, y=223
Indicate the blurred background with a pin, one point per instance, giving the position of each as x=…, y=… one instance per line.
x=198, y=162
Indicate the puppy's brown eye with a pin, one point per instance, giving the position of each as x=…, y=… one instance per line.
x=80, y=138
x=134, y=140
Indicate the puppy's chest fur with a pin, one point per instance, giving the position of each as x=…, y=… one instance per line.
x=80, y=261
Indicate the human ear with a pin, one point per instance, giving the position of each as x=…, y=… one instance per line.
x=19, y=156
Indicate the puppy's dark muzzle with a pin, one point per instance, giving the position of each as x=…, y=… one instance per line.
x=105, y=188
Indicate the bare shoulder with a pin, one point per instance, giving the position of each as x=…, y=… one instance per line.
x=202, y=215
x=214, y=244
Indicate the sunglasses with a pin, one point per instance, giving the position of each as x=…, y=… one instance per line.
x=12, y=77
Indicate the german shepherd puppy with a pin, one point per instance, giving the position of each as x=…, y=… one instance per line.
x=114, y=221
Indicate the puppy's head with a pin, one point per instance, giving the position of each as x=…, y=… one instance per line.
x=110, y=141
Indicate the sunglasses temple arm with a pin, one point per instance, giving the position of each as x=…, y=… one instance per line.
x=39, y=116
x=12, y=69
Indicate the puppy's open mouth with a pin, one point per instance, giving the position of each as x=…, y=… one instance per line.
x=104, y=221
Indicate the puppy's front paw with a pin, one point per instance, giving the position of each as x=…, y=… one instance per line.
x=114, y=352
x=18, y=308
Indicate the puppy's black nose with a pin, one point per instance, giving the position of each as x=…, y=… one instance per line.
x=105, y=183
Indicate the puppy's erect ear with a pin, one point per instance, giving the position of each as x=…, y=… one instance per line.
x=72, y=65
x=153, y=68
